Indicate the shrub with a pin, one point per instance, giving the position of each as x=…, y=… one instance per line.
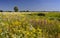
x=27, y=10
x=41, y=14
x=58, y=19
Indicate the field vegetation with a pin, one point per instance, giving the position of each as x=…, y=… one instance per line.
x=29, y=25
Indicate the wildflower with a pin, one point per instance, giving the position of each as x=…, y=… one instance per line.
x=0, y=30
x=16, y=23
x=27, y=33
x=34, y=30
x=39, y=29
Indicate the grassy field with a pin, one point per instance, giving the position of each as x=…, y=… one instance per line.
x=29, y=25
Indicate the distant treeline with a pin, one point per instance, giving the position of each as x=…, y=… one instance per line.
x=28, y=11
x=18, y=11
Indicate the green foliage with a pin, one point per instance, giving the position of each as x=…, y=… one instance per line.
x=27, y=10
x=16, y=9
x=41, y=14
x=58, y=19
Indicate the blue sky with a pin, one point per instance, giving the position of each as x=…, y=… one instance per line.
x=33, y=5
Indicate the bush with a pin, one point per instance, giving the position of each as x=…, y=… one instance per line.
x=58, y=19
x=41, y=14
x=27, y=10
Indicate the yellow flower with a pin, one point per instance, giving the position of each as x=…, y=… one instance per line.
x=27, y=33
x=39, y=29
x=34, y=30
x=0, y=30
x=39, y=32
x=14, y=29
x=16, y=23
x=19, y=30
x=37, y=19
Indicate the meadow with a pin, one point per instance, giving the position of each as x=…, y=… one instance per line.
x=29, y=24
